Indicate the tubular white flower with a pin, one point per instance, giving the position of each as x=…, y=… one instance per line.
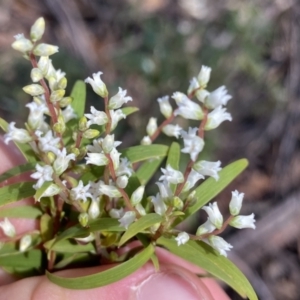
x=36, y=74
x=62, y=160
x=25, y=242
x=108, y=143
x=94, y=189
x=146, y=140
x=236, y=201
x=191, y=180
x=202, y=95
x=116, y=116
x=42, y=174
x=97, y=84
x=81, y=192
x=217, y=98
x=182, y=238
x=187, y=108
x=36, y=114
x=128, y=218
x=98, y=159
x=125, y=167
x=48, y=142
x=204, y=76
x=241, y=222
x=110, y=191
x=96, y=117
x=21, y=43
x=165, y=106
x=151, y=126
x=219, y=244
x=159, y=204
x=115, y=157
x=194, y=85
x=214, y=214
x=207, y=227
x=45, y=49
x=164, y=189
x=94, y=210
x=137, y=195
x=216, y=117
x=68, y=113
x=8, y=228
x=119, y=99
x=172, y=130
x=193, y=144
x=171, y=175
x=208, y=168
x=116, y=213
x=16, y=134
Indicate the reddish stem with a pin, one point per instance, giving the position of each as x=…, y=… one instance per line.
x=161, y=126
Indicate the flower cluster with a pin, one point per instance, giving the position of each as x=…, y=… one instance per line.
x=81, y=171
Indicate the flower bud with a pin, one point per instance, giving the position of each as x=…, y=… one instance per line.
x=98, y=85
x=182, y=238
x=146, y=140
x=236, y=201
x=34, y=89
x=37, y=29
x=60, y=126
x=8, y=228
x=137, y=195
x=204, y=76
x=83, y=219
x=94, y=210
x=108, y=143
x=45, y=50
x=22, y=44
x=82, y=123
x=91, y=133
x=141, y=210
x=177, y=203
x=43, y=64
x=57, y=95
x=152, y=126
x=122, y=181
x=62, y=83
x=165, y=106
x=25, y=243
x=36, y=74
x=51, y=157
x=65, y=101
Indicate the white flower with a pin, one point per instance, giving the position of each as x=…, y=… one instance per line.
x=94, y=189
x=45, y=49
x=216, y=117
x=96, y=117
x=119, y=99
x=68, y=113
x=214, y=214
x=122, y=181
x=48, y=142
x=21, y=43
x=204, y=76
x=236, y=201
x=193, y=144
x=94, y=210
x=116, y=213
x=172, y=130
x=146, y=140
x=97, y=84
x=37, y=29
x=16, y=134
x=202, y=95
x=208, y=168
x=97, y=159
x=171, y=175
x=108, y=143
x=44, y=173
x=165, y=106
x=125, y=167
x=36, y=114
x=137, y=195
x=207, y=227
x=164, y=189
x=25, y=242
x=219, y=244
x=159, y=205
x=191, y=180
x=43, y=64
x=151, y=126
x=110, y=191
x=217, y=98
x=116, y=116
x=194, y=85
x=241, y=222
x=115, y=157
x=36, y=74
x=187, y=108
x=182, y=238
x=141, y=210
x=62, y=160
x=8, y=228
x=128, y=218
x=81, y=192
x=96, y=147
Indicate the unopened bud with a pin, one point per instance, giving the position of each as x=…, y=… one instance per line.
x=52, y=83
x=82, y=124
x=152, y=126
x=8, y=228
x=51, y=157
x=59, y=127
x=37, y=29
x=137, y=195
x=91, y=133
x=177, y=203
x=122, y=181
x=108, y=143
x=57, y=95
x=34, y=89
x=139, y=207
x=36, y=74
x=146, y=140
x=25, y=243
x=43, y=64
x=94, y=210
x=65, y=101
x=62, y=84
x=75, y=151
x=45, y=50
x=83, y=219
x=22, y=44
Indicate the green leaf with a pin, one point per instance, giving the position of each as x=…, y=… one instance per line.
x=173, y=160
x=129, y=110
x=141, y=224
x=15, y=192
x=68, y=246
x=106, y=277
x=17, y=171
x=25, y=149
x=71, y=258
x=46, y=227
x=139, y=153
x=30, y=259
x=211, y=188
x=24, y=211
x=78, y=95
x=205, y=257
x=48, y=189
x=147, y=170
x=92, y=173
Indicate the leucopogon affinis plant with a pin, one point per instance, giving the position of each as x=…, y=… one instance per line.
x=90, y=194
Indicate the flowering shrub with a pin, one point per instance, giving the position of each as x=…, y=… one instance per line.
x=90, y=195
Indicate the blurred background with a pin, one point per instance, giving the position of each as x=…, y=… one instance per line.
x=153, y=48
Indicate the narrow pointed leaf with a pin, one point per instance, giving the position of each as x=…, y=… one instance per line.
x=173, y=160
x=24, y=211
x=129, y=110
x=210, y=188
x=48, y=189
x=139, y=153
x=140, y=225
x=68, y=246
x=206, y=258
x=147, y=170
x=30, y=259
x=106, y=277
x=15, y=192
x=78, y=95
x=17, y=171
